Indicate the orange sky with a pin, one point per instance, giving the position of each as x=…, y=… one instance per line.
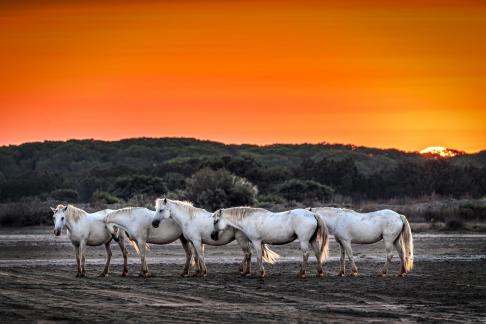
x=365, y=72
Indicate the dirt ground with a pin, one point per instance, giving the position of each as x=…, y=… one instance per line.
x=37, y=283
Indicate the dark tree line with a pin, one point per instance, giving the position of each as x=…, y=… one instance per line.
x=214, y=175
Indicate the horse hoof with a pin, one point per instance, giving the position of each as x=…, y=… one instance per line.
x=403, y=274
x=302, y=276
x=103, y=274
x=354, y=274
x=124, y=274
x=78, y=275
x=341, y=274
x=321, y=274
x=82, y=275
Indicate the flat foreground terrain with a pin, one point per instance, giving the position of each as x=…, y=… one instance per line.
x=37, y=282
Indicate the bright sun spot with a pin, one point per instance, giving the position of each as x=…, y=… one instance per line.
x=439, y=151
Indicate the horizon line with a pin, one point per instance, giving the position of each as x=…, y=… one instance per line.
x=232, y=143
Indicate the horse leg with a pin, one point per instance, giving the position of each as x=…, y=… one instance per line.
x=188, y=251
x=144, y=268
x=108, y=259
x=342, y=270
x=245, y=267
x=304, y=246
x=82, y=250
x=349, y=252
x=78, y=260
x=389, y=256
x=257, y=245
x=123, y=248
x=317, y=252
x=398, y=247
x=199, y=248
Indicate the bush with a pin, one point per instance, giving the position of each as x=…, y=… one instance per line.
x=104, y=197
x=219, y=189
x=31, y=211
x=454, y=225
x=304, y=190
x=68, y=195
x=126, y=187
x=174, y=181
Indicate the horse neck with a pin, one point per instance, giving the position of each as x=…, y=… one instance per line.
x=234, y=222
x=71, y=225
x=179, y=214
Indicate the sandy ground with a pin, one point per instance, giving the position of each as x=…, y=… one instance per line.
x=37, y=283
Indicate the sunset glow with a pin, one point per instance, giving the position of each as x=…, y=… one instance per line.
x=439, y=151
x=368, y=73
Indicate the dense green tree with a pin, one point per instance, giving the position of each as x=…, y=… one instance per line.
x=214, y=189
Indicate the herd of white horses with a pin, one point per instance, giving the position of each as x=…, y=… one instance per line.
x=253, y=228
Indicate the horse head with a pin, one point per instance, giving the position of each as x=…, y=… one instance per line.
x=219, y=224
x=59, y=218
x=162, y=211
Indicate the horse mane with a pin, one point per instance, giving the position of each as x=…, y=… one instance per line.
x=187, y=206
x=73, y=213
x=110, y=216
x=338, y=209
x=240, y=213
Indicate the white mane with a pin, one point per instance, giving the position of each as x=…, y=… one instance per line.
x=73, y=213
x=114, y=213
x=238, y=213
x=187, y=206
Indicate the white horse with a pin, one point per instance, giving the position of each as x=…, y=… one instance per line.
x=137, y=223
x=263, y=226
x=349, y=226
x=87, y=229
x=197, y=226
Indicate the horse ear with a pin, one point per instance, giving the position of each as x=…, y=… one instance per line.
x=165, y=201
x=65, y=208
x=53, y=209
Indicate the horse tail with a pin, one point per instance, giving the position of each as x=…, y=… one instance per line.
x=406, y=243
x=134, y=245
x=268, y=255
x=323, y=236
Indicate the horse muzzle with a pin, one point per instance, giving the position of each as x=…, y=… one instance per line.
x=215, y=235
x=155, y=223
x=57, y=232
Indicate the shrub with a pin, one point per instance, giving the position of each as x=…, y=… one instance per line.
x=219, y=189
x=304, y=190
x=454, y=225
x=128, y=186
x=104, y=197
x=68, y=195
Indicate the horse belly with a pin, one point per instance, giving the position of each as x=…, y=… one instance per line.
x=365, y=234
x=98, y=236
x=163, y=235
x=224, y=238
x=277, y=235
